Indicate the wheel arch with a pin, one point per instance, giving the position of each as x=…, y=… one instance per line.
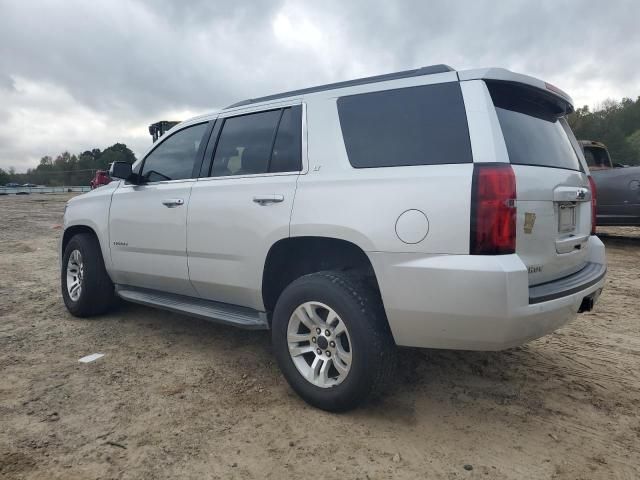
x=73, y=230
x=292, y=257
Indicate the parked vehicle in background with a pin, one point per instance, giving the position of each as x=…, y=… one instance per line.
x=426, y=208
x=12, y=185
x=618, y=186
x=100, y=178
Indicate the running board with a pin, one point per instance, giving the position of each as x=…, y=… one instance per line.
x=196, y=307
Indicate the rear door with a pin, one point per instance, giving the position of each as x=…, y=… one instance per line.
x=243, y=203
x=553, y=194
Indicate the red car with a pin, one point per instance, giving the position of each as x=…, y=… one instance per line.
x=101, y=178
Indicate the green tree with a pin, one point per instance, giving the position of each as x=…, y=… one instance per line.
x=4, y=177
x=634, y=141
x=614, y=123
x=118, y=152
x=69, y=169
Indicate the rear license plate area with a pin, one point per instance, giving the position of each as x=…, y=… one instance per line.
x=566, y=217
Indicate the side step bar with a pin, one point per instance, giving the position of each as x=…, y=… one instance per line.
x=196, y=307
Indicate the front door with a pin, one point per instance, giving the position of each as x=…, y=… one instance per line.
x=243, y=205
x=148, y=222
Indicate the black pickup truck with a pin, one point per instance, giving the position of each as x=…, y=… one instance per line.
x=617, y=186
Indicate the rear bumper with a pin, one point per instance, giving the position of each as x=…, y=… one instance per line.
x=590, y=275
x=472, y=302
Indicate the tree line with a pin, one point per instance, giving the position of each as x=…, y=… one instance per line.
x=614, y=123
x=68, y=169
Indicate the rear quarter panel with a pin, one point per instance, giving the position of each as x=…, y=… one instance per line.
x=363, y=205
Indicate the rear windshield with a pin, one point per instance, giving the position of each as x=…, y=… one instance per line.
x=533, y=131
x=425, y=125
x=596, y=157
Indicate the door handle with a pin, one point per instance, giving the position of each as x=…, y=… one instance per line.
x=267, y=199
x=571, y=194
x=173, y=202
x=571, y=244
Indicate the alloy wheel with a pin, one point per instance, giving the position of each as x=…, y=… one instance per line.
x=75, y=271
x=319, y=344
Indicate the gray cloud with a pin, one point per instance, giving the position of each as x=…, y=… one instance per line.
x=78, y=74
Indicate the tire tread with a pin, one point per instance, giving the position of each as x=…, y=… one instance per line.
x=379, y=348
x=370, y=302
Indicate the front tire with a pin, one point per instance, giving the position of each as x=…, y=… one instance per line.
x=332, y=341
x=86, y=287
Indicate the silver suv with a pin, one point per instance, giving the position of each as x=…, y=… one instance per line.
x=425, y=208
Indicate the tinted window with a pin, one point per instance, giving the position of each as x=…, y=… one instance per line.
x=424, y=125
x=288, y=146
x=245, y=143
x=173, y=159
x=532, y=127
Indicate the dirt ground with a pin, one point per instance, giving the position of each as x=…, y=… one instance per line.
x=175, y=397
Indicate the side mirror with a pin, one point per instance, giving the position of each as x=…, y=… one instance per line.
x=121, y=170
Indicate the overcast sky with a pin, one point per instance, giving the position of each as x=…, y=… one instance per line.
x=77, y=74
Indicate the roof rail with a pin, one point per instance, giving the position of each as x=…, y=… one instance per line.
x=430, y=70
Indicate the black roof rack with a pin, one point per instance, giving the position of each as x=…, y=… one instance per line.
x=430, y=70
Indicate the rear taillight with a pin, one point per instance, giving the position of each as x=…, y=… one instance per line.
x=594, y=204
x=493, y=210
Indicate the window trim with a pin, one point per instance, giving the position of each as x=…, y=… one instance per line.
x=273, y=141
x=199, y=155
x=212, y=144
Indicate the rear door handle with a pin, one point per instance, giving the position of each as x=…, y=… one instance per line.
x=267, y=199
x=172, y=202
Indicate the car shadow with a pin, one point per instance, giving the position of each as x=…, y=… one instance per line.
x=463, y=377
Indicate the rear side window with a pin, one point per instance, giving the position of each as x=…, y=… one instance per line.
x=425, y=125
x=532, y=127
x=173, y=159
x=260, y=142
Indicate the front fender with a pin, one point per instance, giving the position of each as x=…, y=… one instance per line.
x=91, y=210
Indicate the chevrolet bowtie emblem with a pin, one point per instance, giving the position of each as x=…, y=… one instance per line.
x=529, y=220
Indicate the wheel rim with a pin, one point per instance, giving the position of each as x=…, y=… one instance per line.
x=75, y=271
x=319, y=344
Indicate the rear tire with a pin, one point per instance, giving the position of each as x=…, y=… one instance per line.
x=86, y=287
x=351, y=358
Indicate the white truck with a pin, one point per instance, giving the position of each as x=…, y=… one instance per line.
x=426, y=208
